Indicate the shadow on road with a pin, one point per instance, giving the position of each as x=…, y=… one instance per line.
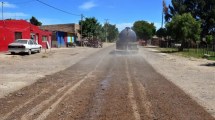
x=123, y=52
x=208, y=64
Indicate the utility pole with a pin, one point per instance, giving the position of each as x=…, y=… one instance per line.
x=2, y=4
x=106, y=23
x=82, y=16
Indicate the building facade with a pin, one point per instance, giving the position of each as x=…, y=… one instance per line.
x=10, y=30
x=63, y=34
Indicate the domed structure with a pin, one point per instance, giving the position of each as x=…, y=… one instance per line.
x=127, y=40
x=127, y=35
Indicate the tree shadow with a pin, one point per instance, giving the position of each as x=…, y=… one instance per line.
x=168, y=52
x=123, y=52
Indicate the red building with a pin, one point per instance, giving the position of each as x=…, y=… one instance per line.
x=11, y=30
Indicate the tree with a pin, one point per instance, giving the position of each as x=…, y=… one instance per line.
x=112, y=32
x=144, y=30
x=209, y=39
x=90, y=27
x=162, y=32
x=34, y=21
x=201, y=10
x=183, y=28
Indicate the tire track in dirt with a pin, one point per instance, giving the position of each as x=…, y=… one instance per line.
x=131, y=93
x=31, y=101
x=99, y=99
x=53, y=106
x=145, y=102
x=167, y=100
x=22, y=105
x=38, y=107
x=115, y=100
x=66, y=93
x=79, y=103
x=54, y=82
x=141, y=90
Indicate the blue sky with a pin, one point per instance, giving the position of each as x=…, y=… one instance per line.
x=122, y=13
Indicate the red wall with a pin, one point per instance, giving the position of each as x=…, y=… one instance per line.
x=9, y=27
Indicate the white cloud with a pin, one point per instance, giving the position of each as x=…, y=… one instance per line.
x=8, y=5
x=156, y=24
x=87, y=5
x=49, y=21
x=122, y=26
x=14, y=15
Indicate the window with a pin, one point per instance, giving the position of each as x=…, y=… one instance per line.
x=34, y=42
x=44, y=39
x=30, y=42
x=18, y=35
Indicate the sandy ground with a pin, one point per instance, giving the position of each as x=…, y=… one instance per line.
x=18, y=71
x=192, y=75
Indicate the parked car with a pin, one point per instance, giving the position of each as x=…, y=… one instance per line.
x=24, y=46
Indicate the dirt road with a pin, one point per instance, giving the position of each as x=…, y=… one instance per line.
x=106, y=85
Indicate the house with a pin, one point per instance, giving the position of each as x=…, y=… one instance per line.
x=10, y=30
x=63, y=34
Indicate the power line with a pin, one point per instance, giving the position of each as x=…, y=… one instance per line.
x=57, y=8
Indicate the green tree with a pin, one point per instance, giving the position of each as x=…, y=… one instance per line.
x=144, y=30
x=90, y=27
x=202, y=10
x=101, y=35
x=209, y=39
x=162, y=32
x=183, y=28
x=34, y=21
x=112, y=32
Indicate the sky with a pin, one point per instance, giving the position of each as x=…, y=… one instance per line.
x=122, y=13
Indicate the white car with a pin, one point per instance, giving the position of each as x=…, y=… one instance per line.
x=24, y=46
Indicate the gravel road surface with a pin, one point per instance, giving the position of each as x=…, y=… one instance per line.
x=103, y=85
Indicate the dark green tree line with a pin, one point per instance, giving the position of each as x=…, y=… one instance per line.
x=201, y=10
x=91, y=28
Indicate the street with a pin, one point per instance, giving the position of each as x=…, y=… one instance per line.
x=107, y=85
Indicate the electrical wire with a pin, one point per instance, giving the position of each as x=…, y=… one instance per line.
x=57, y=8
